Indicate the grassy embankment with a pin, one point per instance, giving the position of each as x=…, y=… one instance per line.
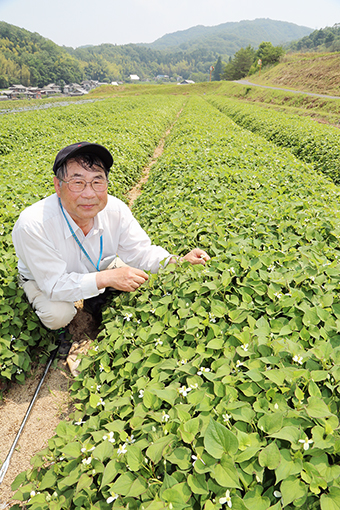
x=314, y=72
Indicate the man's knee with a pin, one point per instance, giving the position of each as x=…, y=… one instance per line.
x=56, y=314
x=53, y=314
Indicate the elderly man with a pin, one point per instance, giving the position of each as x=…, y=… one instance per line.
x=67, y=243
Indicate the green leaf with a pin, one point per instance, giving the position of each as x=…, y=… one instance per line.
x=110, y=472
x=178, y=495
x=72, y=450
x=83, y=483
x=291, y=489
x=218, y=439
x=317, y=408
x=123, y=484
x=270, y=456
x=155, y=451
x=103, y=451
x=134, y=457
x=198, y=484
x=331, y=501
x=225, y=474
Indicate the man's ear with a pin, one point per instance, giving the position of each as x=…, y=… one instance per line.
x=57, y=185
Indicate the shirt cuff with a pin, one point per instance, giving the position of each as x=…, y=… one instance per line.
x=89, y=286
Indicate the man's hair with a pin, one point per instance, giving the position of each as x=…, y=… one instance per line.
x=87, y=161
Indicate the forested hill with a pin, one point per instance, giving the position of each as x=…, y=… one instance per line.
x=32, y=60
x=228, y=38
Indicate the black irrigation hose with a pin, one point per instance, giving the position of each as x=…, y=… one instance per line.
x=5, y=465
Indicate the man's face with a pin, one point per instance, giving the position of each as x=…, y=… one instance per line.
x=85, y=205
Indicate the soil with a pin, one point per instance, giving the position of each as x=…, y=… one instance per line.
x=53, y=402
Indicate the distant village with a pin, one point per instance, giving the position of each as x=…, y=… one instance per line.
x=71, y=89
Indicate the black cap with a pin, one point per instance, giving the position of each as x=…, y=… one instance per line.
x=71, y=151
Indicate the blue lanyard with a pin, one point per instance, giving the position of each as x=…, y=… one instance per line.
x=79, y=243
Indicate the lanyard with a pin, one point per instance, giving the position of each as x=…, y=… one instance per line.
x=79, y=243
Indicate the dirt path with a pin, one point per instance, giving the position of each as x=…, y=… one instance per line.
x=53, y=403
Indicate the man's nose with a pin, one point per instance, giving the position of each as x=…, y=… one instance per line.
x=88, y=191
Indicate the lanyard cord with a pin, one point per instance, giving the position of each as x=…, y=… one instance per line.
x=79, y=243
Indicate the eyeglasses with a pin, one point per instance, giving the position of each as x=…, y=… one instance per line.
x=78, y=185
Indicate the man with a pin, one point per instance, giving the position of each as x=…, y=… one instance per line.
x=67, y=243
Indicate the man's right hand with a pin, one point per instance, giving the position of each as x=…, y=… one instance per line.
x=126, y=279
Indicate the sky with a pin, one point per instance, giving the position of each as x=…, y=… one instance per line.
x=81, y=22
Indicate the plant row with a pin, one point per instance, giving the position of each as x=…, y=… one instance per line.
x=313, y=143
x=213, y=386
x=130, y=129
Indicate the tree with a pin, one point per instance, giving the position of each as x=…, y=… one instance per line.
x=240, y=64
x=268, y=53
x=218, y=70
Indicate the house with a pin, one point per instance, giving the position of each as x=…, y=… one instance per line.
x=51, y=89
x=134, y=77
x=186, y=82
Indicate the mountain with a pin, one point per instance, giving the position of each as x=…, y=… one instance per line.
x=32, y=60
x=228, y=38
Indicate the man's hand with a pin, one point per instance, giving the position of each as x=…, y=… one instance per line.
x=195, y=256
x=127, y=279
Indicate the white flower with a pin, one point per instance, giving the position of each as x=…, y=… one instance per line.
x=226, y=417
x=19, y=371
x=226, y=499
x=87, y=461
x=109, y=437
x=98, y=387
x=79, y=422
x=194, y=386
x=238, y=363
x=12, y=338
x=184, y=391
x=276, y=406
x=197, y=457
x=83, y=450
x=101, y=402
x=277, y=494
x=152, y=310
x=184, y=361
x=32, y=494
x=141, y=393
x=231, y=270
x=113, y=497
x=203, y=369
x=158, y=342
x=278, y=295
x=271, y=268
x=96, y=348
x=212, y=317
x=130, y=439
x=312, y=278
x=122, y=449
x=101, y=368
x=127, y=316
x=298, y=359
x=245, y=347
x=306, y=442
x=165, y=417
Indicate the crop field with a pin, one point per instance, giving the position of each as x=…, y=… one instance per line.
x=212, y=386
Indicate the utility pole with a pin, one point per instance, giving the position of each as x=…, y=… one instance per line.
x=259, y=63
x=211, y=70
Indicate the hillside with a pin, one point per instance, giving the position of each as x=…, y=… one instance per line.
x=310, y=72
x=228, y=38
x=32, y=60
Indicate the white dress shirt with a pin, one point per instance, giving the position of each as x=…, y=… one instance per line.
x=49, y=254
